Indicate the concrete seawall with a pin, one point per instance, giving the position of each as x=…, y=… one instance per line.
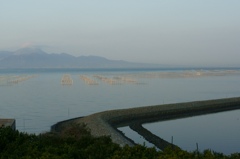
x=107, y=122
x=8, y=123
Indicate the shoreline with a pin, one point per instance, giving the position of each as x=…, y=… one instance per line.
x=106, y=123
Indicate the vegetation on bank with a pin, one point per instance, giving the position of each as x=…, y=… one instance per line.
x=75, y=142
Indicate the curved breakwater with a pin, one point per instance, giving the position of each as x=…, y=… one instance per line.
x=106, y=123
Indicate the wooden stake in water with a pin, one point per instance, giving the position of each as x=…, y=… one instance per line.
x=23, y=124
x=197, y=147
x=68, y=112
x=197, y=150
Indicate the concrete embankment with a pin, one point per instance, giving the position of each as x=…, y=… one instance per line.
x=107, y=122
x=8, y=122
x=150, y=137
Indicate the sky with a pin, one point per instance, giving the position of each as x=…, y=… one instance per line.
x=175, y=32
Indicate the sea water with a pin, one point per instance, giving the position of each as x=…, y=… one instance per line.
x=41, y=101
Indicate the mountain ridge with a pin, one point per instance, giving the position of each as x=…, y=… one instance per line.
x=37, y=58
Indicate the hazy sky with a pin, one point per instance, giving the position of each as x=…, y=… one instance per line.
x=194, y=32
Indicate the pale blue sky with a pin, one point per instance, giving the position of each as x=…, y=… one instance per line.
x=193, y=32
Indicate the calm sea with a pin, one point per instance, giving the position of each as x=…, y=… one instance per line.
x=37, y=99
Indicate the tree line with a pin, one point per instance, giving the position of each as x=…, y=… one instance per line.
x=76, y=142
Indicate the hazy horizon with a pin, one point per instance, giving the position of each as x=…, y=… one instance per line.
x=196, y=33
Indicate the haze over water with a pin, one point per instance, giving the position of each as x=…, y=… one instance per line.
x=168, y=32
x=39, y=100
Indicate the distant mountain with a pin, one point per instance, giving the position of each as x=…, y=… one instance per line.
x=37, y=58
x=4, y=54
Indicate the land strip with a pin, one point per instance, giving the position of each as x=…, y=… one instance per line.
x=152, y=138
x=106, y=123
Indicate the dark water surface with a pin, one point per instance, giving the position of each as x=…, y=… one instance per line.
x=219, y=132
